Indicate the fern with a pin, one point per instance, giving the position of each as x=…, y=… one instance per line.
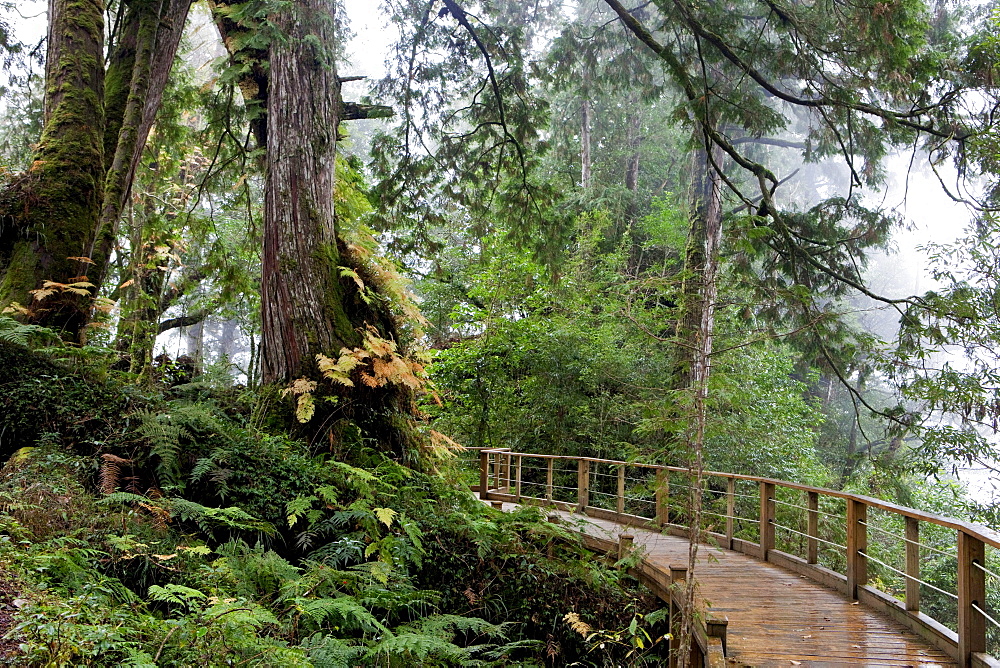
x=175, y=593
x=448, y=626
x=344, y=612
x=328, y=652
x=123, y=498
x=209, y=519
x=416, y=647
x=258, y=573
x=18, y=333
x=165, y=441
x=110, y=475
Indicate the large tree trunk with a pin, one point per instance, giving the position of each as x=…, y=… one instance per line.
x=319, y=297
x=51, y=213
x=302, y=297
x=138, y=71
x=59, y=220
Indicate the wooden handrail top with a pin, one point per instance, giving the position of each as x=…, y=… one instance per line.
x=985, y=534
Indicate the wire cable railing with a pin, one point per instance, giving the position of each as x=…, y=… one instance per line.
x=652, y=495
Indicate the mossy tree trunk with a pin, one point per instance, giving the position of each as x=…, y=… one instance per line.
x=52, y=211
x=58, y=221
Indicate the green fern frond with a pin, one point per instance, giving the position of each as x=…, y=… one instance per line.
x=208, y=519
x=416, y=649
x=122, y=498
x=329, y=652
x=448, y=626
x=344, y=612
x=18, y=333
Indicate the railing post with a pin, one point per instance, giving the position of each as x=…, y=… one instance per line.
x=484, y=474
x=766, y=518
x=857, y=544
x=678, y=576
x=971, y=591
x=812, y=545
x=620, y=505
x=517, y=483
x=506, y=473
x=548, y=480
x=912, y=564
x=716, y=627
x=496, y=471
x=662, y=497
x=730, y=511
x=582, y=484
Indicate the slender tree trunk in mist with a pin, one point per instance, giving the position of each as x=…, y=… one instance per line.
x=700, y=300
x=632, y=161
x=585, y=143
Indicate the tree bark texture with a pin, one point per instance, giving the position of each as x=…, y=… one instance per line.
x=701, y=265
x=302, y=298
x=137, y=76
x=51, y=213
x=633, y=141
x=706, y=243
x=59, y=221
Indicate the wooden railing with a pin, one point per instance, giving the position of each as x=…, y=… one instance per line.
x=708, y=646
x=837, y=538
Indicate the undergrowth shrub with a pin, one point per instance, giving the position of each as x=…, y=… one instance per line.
x=173, y=533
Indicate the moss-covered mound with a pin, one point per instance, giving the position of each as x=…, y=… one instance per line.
x=39, y=396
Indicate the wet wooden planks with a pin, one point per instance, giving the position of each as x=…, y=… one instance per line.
x=779, y=618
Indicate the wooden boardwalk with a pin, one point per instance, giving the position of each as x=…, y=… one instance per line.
x=776, y=617
x=783, y=608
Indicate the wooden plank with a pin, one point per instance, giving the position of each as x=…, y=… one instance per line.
x=812, y=545
x=715, y=657
x=971, y=593
x=912, y=564
x=517, y=484
x=926, y=627
x=496, y=472
x=984, y=661
x=506, y=472
x=819, y=574
x=857, y=543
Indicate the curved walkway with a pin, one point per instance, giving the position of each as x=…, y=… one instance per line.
x=776, y=617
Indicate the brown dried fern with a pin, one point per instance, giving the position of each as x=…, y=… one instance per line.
x=110, y=475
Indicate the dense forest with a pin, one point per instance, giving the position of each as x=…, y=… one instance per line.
x=258, y=310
